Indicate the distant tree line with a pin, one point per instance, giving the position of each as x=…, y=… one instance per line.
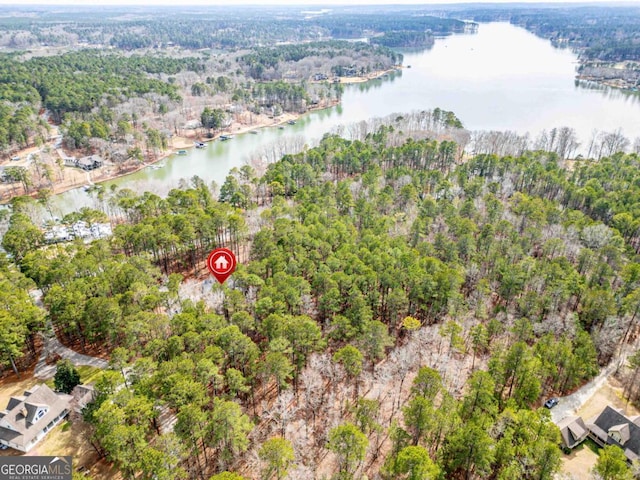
x=211, y=27
x=75, y=83
x=261, y=61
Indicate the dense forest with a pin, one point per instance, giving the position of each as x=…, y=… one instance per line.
x=117, y=105
x=397, y=312
x=78, y=81
x=406, y=298
x=261, y=63
x=99, y=94
x=208, y=27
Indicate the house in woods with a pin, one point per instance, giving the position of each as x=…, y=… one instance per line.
x=90, y=163
x=10, y=174
x=70, y=161
x=573, y=431
x=611, y=427
x=192, y=124
x=82, y=395
x=29, y=417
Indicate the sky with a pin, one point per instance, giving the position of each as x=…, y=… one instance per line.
x=279, y=2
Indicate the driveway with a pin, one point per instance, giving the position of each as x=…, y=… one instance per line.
x=568, y=405
x=53, y=345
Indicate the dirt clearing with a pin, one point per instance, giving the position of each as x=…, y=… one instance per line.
x=609, y=394
x=12, y=386
x=578, y=465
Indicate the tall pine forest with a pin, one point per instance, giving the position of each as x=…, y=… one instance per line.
x=401, y=310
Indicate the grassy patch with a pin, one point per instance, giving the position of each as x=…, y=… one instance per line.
x=66, y=426
x=588, y=443
x=591, y=445
x=88, y=374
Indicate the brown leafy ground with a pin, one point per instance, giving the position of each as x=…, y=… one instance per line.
x=324, y=392
x=321, y=403
x=578, y=465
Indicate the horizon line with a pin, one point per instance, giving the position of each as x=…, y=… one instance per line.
x=302, y=3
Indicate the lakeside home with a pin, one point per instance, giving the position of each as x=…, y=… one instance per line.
x=88, y=163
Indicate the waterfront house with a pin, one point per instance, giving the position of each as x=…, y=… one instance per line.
x=90, y=163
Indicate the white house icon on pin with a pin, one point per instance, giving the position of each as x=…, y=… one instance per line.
x=221, y=263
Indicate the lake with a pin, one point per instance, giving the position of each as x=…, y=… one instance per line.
x=501, y=78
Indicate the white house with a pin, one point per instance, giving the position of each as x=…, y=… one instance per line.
x=28, y=418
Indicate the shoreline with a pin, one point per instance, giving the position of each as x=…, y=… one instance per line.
x=378, y=74
x=617, y=83
x=375, y=75
x=107, y=173
x=177, y=143
x=189, y=142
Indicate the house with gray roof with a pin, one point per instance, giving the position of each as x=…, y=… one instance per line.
x=29, y=417
x=611, y=427
x=90, y=163
x=86, y=163
x=573, y=431
x=82, y=395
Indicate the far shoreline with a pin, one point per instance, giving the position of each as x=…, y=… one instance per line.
x=187, y=142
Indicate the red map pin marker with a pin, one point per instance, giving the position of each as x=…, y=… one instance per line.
x=221, y=262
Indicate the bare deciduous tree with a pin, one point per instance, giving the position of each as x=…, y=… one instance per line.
x=613, y=142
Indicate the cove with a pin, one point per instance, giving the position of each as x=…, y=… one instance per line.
x=501, y=78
